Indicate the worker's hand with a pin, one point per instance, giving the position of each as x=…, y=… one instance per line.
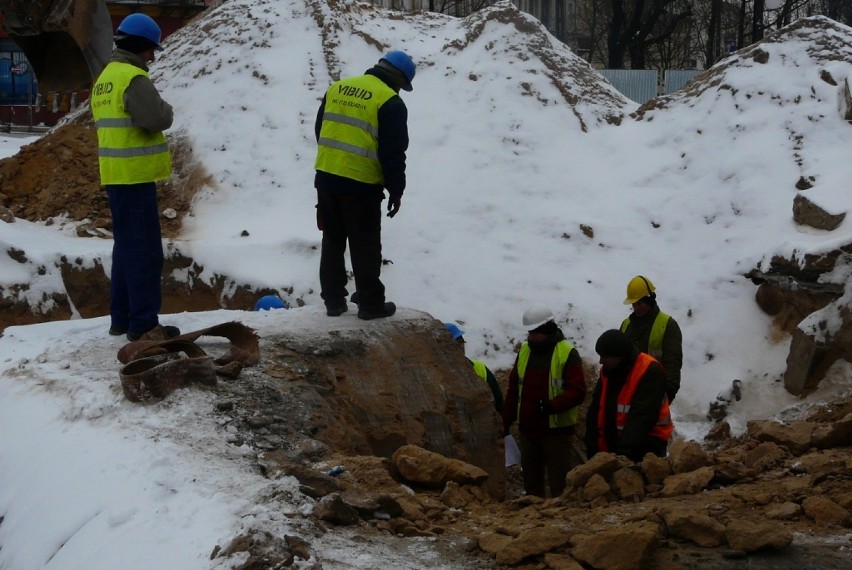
x=394, y=204
x=506, y=430
x=544, y=407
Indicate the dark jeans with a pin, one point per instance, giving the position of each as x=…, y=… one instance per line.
x=358, y=220
x=550, y=457
x=137, y=257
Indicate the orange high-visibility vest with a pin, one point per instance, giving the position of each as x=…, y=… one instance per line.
x=662, y=429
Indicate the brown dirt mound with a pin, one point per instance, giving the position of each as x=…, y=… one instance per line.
x=57, y=175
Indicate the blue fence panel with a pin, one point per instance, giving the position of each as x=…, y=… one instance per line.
x=636, y=84
x=675, y=79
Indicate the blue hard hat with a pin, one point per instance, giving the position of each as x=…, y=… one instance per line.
x=403, y=62
x=454, y=330
x=143, y=26
x=269, y=302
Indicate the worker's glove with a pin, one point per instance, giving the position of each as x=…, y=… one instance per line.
x=544, y=407
x=394, y=204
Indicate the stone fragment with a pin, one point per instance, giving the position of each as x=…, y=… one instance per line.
x=835, y=434
x=807, y=213
x=333, y=509
x=655, y=468
x=796, y=437
x=533, y=542
x=493, y=542
x=750, y=536
x=784, y=511
x=765, y=456
x=686, y=456
x=628, y=483
x=825, y=512
x=625, y=547
x=695, y=526
x=560, y=562
x=418, y=465
x=687, y=483
x=595, y=487
x=604, y=464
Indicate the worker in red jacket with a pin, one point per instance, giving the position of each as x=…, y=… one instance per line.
x=546, y=386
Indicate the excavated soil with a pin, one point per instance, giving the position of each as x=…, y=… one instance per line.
x=57, y=177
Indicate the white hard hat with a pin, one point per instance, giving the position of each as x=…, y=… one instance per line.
x=536, y=316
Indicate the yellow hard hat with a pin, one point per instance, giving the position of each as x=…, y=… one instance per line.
x=638, y=288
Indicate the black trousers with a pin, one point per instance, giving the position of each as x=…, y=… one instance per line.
x=358, y=220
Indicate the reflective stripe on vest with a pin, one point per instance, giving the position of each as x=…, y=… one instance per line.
x=555, y=386
x=655, y=339
x=349, y=134
x=127, y=154
x=662, y=429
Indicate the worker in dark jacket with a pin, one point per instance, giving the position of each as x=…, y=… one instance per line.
x=479, y=367
x=653, y=331
x=546, y=386
x=629, y=414
x=130, y=117
x=362, y=132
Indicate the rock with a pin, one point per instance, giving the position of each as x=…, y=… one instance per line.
x=628, y=483
x=719, y=432
x=820, y=464
x=418, y=465
x=686, y=456
x=604, y=464
x=561, y=562
x=749, y=536
x=454, y=496
x=765, y=456
x=533, y=542
x=655, y=468
x=312, y=483
x=806, y=213
x=595, y=487
x=687, y=483
x=695, y=526
x=730, y=472
x=333, y=509
x=6, y=215
x=493, y=542
x=825, y=512
x=835, y=434
x=784, y=511
x=796, y=437
x=622, y=548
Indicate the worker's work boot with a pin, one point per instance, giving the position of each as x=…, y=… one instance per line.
x=367, y=313
x=336, y=309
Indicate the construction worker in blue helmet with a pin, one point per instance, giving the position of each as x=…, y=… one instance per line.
x=653, y=331
x=478, y=367
x=269, y=302
x=362, y=135
x=133, y=155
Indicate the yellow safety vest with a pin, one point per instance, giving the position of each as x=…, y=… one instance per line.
x=479, y=369
x=127, y=154
x=658, y=331
x=349, y=135
x=555, y=387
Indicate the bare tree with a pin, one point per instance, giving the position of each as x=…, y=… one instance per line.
x=636, y=25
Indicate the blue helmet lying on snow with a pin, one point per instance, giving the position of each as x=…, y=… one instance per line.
x=269, y=302
x=143, y=26
x=454, y=330
x=403, y=62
